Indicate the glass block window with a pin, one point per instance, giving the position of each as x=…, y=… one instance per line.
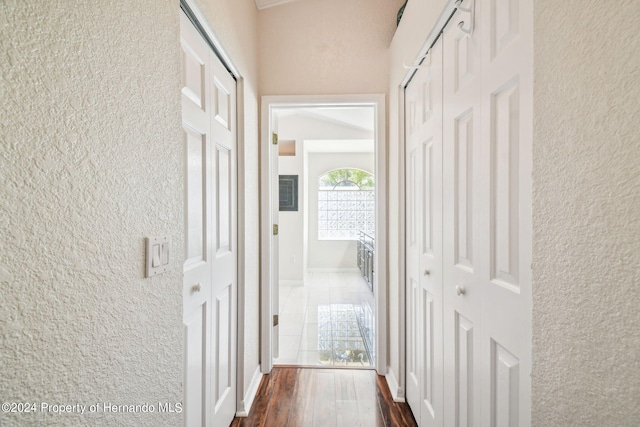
x=346, y=204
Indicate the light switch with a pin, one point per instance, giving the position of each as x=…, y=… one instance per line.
x=155, y=255
x=165, y=254
x=158, y=255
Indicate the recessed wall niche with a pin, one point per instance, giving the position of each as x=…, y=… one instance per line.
x=287, y=148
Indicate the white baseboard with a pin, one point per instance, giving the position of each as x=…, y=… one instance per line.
x=334, y=270
x=397, y=392
x=291, y=282
x=245, y=405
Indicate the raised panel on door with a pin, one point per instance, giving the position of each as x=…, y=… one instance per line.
x=504, y=185
x=506, y=98
x=431, y=393
x=431, y=256
x=197, y=279
x=194, y=70
x=504, y=408
x=196, y=186
x=413, y=337
x=209, y=282
x=224, y=201
x=462, y=235
x=412, y=253
x=465, y=377
x=195, y=331
x=225, y=260
x=506, y=211
x=222, y=103
x=424, y=240
x=503, y=21
x=463, y=168
x=222, y=346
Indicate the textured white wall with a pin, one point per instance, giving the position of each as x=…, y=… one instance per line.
x=326, y=47
x=586, y=224
x=91, y=163
x=235, y=24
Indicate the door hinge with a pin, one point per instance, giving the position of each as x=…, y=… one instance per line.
x=275, y=320
x=274, y=138
x=275, y=229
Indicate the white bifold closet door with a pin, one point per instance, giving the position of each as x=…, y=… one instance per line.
x=423, y=124
x=210, y=267
x=483, y=265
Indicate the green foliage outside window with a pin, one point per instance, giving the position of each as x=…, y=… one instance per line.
x=347, y=178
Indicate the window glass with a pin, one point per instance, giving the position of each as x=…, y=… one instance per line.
x=346, y=204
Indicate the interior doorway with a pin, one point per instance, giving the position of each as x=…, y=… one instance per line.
x=326, y=162
x=321, y=306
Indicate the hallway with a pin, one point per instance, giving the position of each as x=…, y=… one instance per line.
x=326, y=322
x=290, y=397
x=96, y=177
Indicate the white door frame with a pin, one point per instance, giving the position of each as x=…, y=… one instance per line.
x=377, y=101
x=192, y=8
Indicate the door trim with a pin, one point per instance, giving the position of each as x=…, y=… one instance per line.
x=377, y=101
x=199, y=21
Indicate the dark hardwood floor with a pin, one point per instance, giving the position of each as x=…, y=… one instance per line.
x=305, y=397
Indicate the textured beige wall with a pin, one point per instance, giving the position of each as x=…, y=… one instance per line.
x=90, y=164
x=326, y=47
x=235, y=24
x=586, y=223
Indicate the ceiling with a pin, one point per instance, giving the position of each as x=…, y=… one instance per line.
x=265, y=4
x=361, y=118
x=339, y=146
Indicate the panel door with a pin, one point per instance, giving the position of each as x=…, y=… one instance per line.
x=506, y=211
x=463, y=236
x=209, y=289
x=423, y=108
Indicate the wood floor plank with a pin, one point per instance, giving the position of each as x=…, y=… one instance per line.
x=302, y=411
x=324, y=399
x=367, y=398
x=260, y=405
x=346, y=399
x=303, y=397
x=283, y=396
x=395, y=414
x=345, y=387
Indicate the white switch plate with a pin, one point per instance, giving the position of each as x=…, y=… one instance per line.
x=158, y=255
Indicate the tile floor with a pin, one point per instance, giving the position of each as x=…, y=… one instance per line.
x=328, y=321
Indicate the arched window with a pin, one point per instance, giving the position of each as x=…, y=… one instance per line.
x=345, y=204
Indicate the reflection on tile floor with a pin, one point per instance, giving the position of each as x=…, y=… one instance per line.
x=326, y=322
x=340, y=341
